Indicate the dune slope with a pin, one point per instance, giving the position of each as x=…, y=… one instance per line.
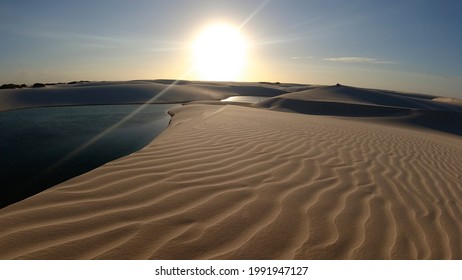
x=230, y=182
x=129, y=92
x=419, y=110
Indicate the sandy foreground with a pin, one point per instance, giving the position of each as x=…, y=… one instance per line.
x=351, y=178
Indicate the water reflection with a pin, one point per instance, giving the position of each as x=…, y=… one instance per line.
x=245, y=99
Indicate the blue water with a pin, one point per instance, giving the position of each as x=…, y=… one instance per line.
x=42, y=147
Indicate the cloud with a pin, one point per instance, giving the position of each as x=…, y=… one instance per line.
x=358, y=59
x=301, y=57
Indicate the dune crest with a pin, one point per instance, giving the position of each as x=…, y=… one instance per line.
x=129, y=92
x=231, y=182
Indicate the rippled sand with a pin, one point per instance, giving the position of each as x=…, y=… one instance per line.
x=235, y=182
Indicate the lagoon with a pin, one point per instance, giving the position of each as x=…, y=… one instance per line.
x=42, y=147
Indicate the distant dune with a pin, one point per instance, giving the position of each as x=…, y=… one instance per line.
x=313, y=172
x=368, y=97
x=131, y=92
x=417, y=109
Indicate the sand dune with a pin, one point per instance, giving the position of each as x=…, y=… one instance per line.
x=358, y=96
x=130, y=92
x=418, y=110
x=233, y=182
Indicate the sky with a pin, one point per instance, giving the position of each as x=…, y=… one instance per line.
x=406, y=45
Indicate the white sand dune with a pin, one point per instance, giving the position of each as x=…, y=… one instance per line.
x=234, y=182
x=419, y=110
x=130, y=92
x=371, y=97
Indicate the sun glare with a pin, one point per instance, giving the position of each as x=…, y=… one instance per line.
x=219, y=53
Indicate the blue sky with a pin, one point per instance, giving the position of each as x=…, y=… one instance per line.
x=412, y=45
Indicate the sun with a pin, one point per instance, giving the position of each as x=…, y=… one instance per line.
x=219, y=53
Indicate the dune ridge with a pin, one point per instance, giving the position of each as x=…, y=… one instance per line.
x=232, y=182
x=417, y=110
x=130, y=92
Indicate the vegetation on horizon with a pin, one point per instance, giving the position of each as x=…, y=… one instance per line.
x=12, y=86
x=38, y=85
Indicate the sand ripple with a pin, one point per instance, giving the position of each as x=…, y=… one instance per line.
x=243, y=183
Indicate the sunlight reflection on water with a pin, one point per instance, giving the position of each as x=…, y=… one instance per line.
x=245, y=99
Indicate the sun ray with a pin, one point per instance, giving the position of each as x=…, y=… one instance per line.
x=254, y=13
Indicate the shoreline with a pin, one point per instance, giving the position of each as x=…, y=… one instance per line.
x=91, y=104
x=46, y=146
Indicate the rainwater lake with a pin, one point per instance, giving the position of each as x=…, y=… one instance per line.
x=42, y=147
